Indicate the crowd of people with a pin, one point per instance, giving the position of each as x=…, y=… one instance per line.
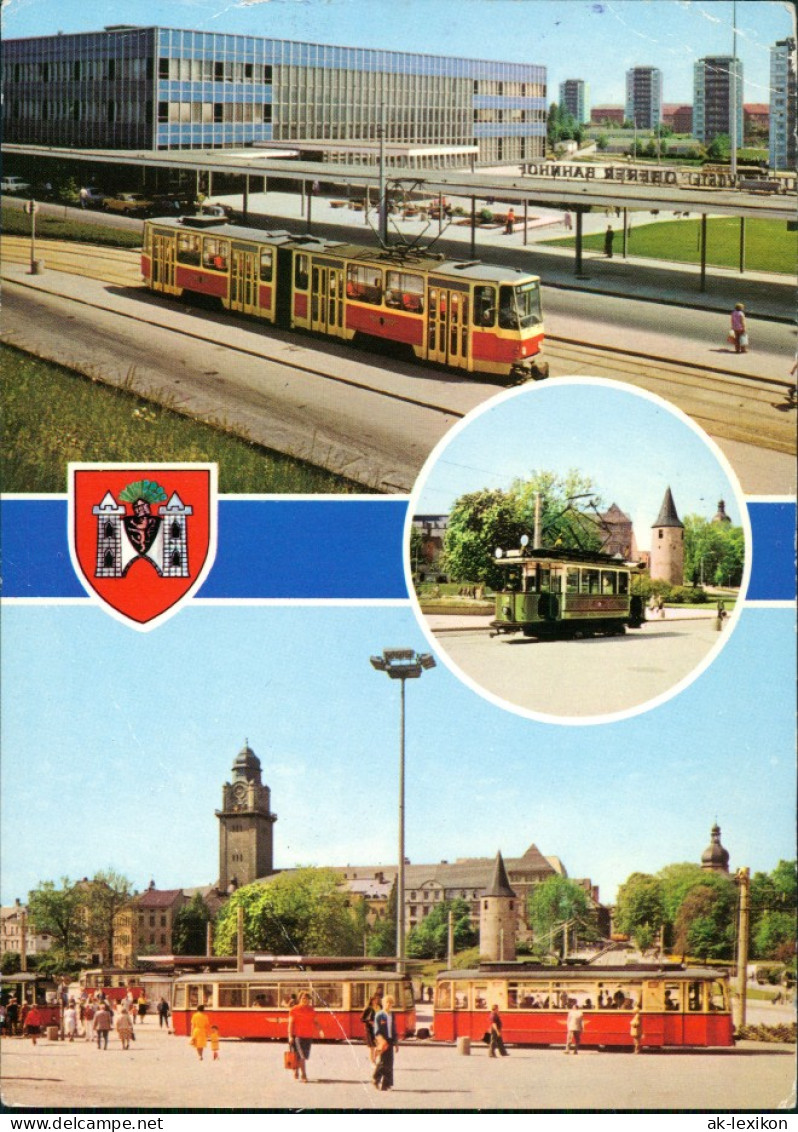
x=90, y=1016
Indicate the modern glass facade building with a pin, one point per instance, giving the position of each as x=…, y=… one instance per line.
x=783, y=98
x=575, y=98
x=644, y=97
x=156, y=88
x=717, y=85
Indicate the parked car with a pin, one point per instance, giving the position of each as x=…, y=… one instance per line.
x=12, y=184
x=129, y=204
x=92, y=196
x=172, y=204
x=213, y=208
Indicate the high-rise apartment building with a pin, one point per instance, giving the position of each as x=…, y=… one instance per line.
x=161, y=89
x=783, y=95
x=644, y=97
x=717, y=87
x=575, y=98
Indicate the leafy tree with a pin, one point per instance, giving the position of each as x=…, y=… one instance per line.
x=774, y=936
x=61, y=914
x=417, y=557
x=774, y=903
x=705, y=924
x=483, y=520
x=430, y=939
x=107, y=894
x=677, y=880
x=719, y=147
x=640, y=909
x=480, y=522
x=304, y=912
x=10, y=962
x=602, y=141
x=552, y=904
x=713, y=552
x=190, y=927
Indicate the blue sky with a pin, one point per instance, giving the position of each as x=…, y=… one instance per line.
x=632, y=447
x=116, y=745
x=595, y=40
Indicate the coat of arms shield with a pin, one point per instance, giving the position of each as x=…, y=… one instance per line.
x=142, y=537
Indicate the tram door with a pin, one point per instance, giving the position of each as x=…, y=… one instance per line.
x=163, y=262
x=327, y=299
x=447, y=328
x=244, y=280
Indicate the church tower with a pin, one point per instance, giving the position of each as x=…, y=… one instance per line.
x=667, y=544
x=245, y=824
x=715, y=858
x=497, y=917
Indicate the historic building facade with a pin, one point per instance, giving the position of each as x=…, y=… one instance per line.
x=246, y=824
x=667, y=544
x=130, y=87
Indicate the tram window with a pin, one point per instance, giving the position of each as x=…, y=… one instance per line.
x=480, y=993
x=357, y=995
x=188, y=248
x=404, y=292
x=215, y=253
x=443, y=996
x=555, y=584
x=672, y=998
x=544, y=579
x=179, y=1000
x=572, y=581
x=263, y=997
x=461, y=998
x=195, y=996
x=484, y=306
x=328, y=996
x=301, y=272
x=234, y=994
x=623, y=582
x=508, y=313
x=694, y=997
x=364, y=283
x=527, y=304
x=266, y=264
x=512, y=996
x=716, y=998
x=590, y=581
x=609, y=581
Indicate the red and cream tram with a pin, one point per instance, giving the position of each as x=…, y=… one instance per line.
x=679, y=1006
x=468, y=316
x=256, y=1004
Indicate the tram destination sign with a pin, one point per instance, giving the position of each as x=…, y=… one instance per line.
x=645, y=175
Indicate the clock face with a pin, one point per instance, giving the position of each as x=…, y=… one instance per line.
x=239, y=792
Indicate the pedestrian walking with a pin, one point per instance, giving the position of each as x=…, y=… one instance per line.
x=214, y=1040
x=200, y=1029
x=71, y=1021
x=89, y=1010
x=367, y=1018
x=574, y=1025
x=34, y=1021
x=509, y=223
x=102, y=1024
x=303, y=1026
x=84, y=198
x=12, y=1016
x=124, y=1027
x=635, y=1029
x=609, y=236
x=496, y=1040
x=739, y=329
x=163, y=1013
x=567, y=221
x=386, y=1041
x=143, y=1005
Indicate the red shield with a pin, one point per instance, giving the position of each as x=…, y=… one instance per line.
x=142, y=538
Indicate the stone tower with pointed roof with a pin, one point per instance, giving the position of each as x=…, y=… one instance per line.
x=497, y=917
x=667, y=544
x=715, y=858
x=245, y=824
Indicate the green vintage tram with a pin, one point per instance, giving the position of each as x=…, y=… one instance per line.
x=559, y=593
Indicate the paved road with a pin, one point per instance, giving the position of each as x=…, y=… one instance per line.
x=582, y=679
x=162, y=1072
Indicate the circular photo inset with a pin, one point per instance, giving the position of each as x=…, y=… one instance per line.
x=577, y=550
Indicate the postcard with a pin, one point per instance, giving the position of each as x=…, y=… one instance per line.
x=399, y=583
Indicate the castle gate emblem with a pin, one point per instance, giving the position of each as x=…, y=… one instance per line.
x=142, y=539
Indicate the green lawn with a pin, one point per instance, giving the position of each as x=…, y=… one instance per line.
x=768, y=244
x=16, y=223
x=52, y=415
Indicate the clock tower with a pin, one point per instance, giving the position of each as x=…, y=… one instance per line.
x=245, y=824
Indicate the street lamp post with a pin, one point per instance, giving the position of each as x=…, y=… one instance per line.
x=403, y=665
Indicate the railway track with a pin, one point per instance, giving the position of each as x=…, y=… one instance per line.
x=750, y=409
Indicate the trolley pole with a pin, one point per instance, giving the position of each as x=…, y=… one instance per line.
x=743, y=879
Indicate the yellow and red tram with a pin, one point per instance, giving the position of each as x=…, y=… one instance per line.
x=255, y=1004
x=679, y=1006
x=468, y=316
